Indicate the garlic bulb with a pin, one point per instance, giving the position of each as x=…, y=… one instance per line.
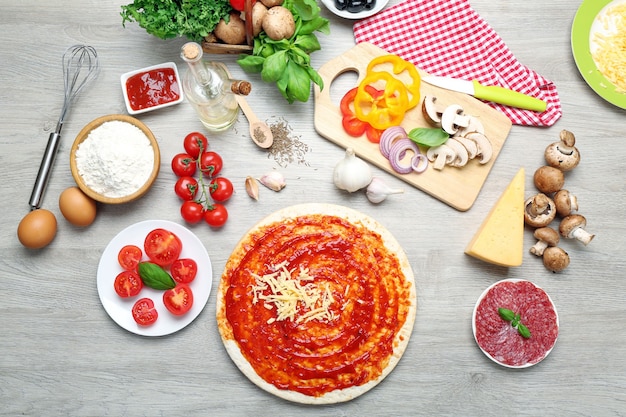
x=273, y=180
x=378, y=191
x=351, y=173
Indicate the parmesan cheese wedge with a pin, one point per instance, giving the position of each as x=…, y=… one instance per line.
x=500, y=239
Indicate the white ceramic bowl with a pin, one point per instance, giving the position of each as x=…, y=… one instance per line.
x=152, y=81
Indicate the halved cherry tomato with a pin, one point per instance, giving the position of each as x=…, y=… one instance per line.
x=192, y=211
x=195, y=143
x=221, y=189
x=210, y=163
x=183, y=165
x=144, y=312
x=184, y=270
x=178, y=300
x=127, y=284
x=186, y=188
x=129, y=257
x=216, y=215
x=162, y=247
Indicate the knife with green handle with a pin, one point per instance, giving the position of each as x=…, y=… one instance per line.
x=495, y=94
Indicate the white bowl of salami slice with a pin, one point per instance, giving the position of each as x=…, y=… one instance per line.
x=505, y=344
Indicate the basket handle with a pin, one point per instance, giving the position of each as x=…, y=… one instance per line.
x=247, y=10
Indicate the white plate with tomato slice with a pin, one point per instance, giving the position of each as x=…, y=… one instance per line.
x=185, y=245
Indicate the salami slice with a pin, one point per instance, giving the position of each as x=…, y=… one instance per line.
x=499, y=339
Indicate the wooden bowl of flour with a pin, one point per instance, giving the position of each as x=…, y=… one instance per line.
x=115, y=159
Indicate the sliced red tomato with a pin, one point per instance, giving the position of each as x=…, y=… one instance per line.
x=162, y=247
x=184, y=270
x=144, y=312
x=373, y=134
x=127, y=284
x=129, y=257
x=178, y=300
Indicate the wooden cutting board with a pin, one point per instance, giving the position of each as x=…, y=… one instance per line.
x=457, y=187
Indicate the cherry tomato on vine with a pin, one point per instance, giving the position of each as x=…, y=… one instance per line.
x=127, y=284
x=129, y=257
x=184, y=270
x=183, y=165
x=211, y=163
x=216, y=215
x=192, y=211
x=195, y=143
x=239, y=5
x=186, y=188
x=144, y=312
x=221, y=189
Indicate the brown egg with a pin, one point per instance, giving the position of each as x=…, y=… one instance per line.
x=77, y=208
x=37, y=229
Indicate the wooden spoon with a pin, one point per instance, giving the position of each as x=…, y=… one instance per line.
x=260, y=132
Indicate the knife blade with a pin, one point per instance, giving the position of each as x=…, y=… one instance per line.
x=495, y=94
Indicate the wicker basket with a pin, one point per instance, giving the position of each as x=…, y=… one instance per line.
x=223, y=48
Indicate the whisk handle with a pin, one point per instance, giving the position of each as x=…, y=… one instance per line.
x=44, y=170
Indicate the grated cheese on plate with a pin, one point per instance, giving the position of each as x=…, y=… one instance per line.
x=609, y=46
x=295, y=297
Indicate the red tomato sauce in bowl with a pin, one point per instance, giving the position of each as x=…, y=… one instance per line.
x=151, y=88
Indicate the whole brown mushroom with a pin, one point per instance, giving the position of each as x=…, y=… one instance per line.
x=555, y=259
x=563, y=155
x=565, y=202
x=258, y=14
x=539, y=210
x=546, y=237
x=233, y=32
x=573, y=227
x=548, y=179
x=279, y=23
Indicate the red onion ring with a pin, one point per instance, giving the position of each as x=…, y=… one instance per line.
x=397, y=152
x=388, y=137
x=415, y=163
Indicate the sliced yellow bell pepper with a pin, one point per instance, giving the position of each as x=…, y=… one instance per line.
x=399, y=66
x=384, y=109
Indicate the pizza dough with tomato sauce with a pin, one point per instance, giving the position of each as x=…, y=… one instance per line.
x=317, y=303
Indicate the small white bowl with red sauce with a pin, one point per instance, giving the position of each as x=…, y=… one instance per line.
x=151, y=88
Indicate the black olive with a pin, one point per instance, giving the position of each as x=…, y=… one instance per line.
x=341, y=4
x=356, y=6
x=369, y=4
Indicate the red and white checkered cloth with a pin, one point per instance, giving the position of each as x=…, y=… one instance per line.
x=448, y=38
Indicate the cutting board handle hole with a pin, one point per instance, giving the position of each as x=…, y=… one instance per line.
x=343, y=82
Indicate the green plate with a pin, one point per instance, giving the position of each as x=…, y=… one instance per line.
x=581, y=47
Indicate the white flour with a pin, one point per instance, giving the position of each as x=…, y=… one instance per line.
x=116, y=159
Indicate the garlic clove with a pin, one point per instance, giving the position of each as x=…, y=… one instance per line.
x=252, y=188
x=352, y=173
x=378, y=191
x=273, y=180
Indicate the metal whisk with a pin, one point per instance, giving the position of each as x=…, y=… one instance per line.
x=80, y=66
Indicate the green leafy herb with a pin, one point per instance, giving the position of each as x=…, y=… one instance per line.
x=287, y=62
x=516, y=321
x=155, y=277
x=426, y=136
x=168, y=19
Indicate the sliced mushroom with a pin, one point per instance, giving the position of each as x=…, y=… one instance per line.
x=485, y=150
x=565, y=202
x=470, y=146
x=432, y=111
x=539, y=210
x=548, y=179
x=546, y=237
x=452, y=118
x=461, y=155
x=475, y=125
x=440, y=156
x=555, y=259
x=573, y=227
x=563, y=155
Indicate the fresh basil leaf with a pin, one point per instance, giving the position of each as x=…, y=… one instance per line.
x=308, y=43
x=523, y=331
x=298, y=82
x=251, y=63
x=274, y=67
x=427, y=136
x=155, y=277
x=506, y=314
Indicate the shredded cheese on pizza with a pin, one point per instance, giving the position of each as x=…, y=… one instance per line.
x=610, y=52
x=295, y=297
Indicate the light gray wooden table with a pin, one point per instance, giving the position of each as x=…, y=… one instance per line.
x=61, y=354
